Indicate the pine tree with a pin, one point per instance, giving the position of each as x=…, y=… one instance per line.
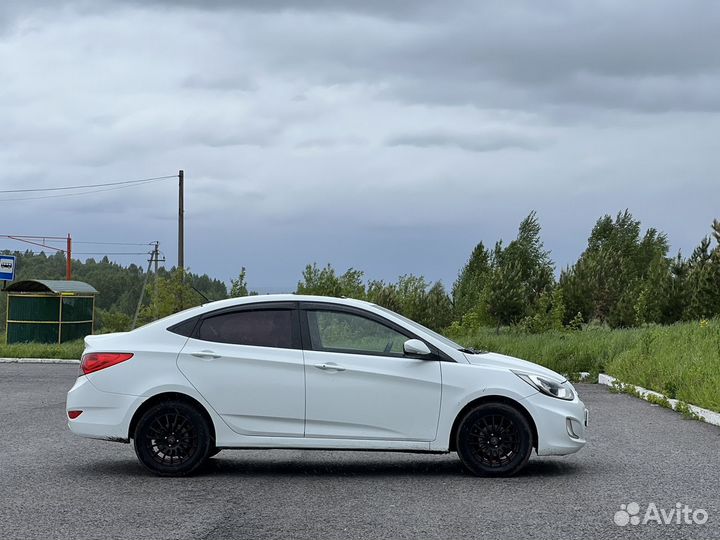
x=383, y=294
x=238, y=287
x=438, y=308
x=325, y=282
x=675, y=291
x=527, y=255
x=506, y=295
x=703, y=281
x=468, y=287
x=621, y=278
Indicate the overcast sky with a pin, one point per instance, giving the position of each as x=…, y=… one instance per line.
x=385, y=136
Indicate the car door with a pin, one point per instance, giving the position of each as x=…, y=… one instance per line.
x=359, y=383
x=248, y=364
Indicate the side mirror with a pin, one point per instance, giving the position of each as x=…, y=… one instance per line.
x=415, y=346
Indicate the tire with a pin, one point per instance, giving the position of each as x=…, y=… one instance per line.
x=214, y=451
x=172, y=439
x=494, y=439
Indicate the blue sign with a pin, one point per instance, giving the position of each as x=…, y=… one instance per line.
x=7, y=267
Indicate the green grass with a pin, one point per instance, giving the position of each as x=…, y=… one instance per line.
x=565, y=352
x=681, y=361
x=71, y=349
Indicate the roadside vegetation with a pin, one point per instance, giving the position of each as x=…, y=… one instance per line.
x=70, y=350
x=626, y=306
x=681, y=361
x=568, y=352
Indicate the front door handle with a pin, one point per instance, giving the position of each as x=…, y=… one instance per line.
x=205, y=355
x=330, y=366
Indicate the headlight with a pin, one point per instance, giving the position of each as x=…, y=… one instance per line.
x=547, y=386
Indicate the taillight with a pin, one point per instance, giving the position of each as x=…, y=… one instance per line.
x=72, y=415
x=96, y=361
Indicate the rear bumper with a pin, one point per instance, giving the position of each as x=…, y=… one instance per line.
x=104, y=415
x=560, y=424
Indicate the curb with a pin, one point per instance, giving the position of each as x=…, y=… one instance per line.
x=705, y=415
x=38, y=361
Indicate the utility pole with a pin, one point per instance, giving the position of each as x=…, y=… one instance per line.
x=155, y=255
x=68, y=259
x=142, y=291
x=181, y=220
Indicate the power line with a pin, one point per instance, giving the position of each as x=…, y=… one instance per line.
x=110, y=253
x=94, y=243
x=115, y=243
x=89, y=185
x=36, y=237
x=81, y=253
x=87, y=242
x=90, y=192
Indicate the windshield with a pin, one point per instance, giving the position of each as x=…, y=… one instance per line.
x=410, y=322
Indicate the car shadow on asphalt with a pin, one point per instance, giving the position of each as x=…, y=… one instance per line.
x=231, y=463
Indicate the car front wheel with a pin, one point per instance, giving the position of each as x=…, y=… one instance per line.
x=172, y=439
x=494, y=439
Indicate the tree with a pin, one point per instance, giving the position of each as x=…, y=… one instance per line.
x=383, y=294
x=521, y=273
x=549, y=313
x=437, y=314
x=467, y=289
x=622, y=277
x=676, y=291
x=411, y=292
x=325, y=282
x=505, y=285
x=529, y=256
x=703, y=279
x=506, y=295
x=174, y=294
x=238, y=286
x=576, y=287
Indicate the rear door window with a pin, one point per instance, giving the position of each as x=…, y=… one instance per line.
x=259, y=328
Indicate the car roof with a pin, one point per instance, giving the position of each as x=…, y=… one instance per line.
x=262, y=298
x=249, y=300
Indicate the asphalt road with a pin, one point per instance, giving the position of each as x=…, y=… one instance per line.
x=56, y=485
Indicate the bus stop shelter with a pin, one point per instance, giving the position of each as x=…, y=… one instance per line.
x=49, y=311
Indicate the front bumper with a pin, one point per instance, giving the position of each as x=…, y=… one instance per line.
x=104, y=415
x=560, y=424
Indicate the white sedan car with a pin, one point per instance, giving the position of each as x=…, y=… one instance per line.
x=290, y=371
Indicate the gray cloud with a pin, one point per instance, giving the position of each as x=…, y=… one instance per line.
x=389, y=136
x=473, y=142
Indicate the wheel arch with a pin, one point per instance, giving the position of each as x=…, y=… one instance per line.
x=492, y=399
x=171, y=396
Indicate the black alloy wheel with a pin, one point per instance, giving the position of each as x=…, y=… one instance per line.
x=172, y=439
x=494, y=439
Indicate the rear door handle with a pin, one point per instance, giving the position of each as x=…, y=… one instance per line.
x=330, y=366
x=205, y=355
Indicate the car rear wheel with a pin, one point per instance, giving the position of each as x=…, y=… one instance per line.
x=494, y=439
x=172, y=439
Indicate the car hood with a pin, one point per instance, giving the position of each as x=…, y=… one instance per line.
x=510, y=362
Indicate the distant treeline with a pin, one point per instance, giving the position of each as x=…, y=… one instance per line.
x=119, y=285
x=624, y=278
